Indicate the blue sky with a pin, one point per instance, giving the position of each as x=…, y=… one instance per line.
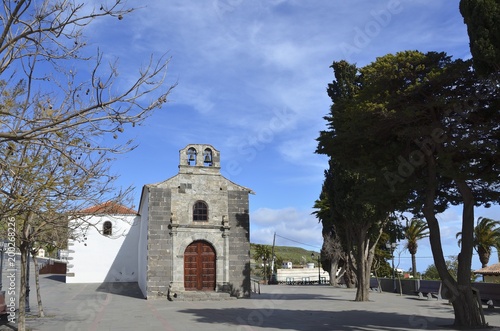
x=252, y=79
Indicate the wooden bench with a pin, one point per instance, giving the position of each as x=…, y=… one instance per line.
x=429, y=289
x=375, y=285
x=489, y=293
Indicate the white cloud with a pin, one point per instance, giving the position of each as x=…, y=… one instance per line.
x=293, y=227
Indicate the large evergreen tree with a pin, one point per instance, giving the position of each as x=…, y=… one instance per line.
x=357, y=214
x=430, y=128
x=483, y=26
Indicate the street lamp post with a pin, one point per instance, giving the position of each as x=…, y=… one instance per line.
x=319, y=267
x=392, y=246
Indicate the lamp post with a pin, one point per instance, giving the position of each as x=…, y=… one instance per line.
x=319, y=267
x=3, y=248
x=392, y=246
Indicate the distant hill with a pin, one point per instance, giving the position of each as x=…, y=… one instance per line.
x=298, y=256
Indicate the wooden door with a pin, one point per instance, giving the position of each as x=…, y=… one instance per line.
x=199, y=267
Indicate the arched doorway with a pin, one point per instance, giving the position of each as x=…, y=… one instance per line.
x=199, y=267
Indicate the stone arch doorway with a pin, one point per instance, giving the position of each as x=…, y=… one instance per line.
x=199, y=267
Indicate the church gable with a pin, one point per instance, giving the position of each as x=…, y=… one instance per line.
x=197, y=211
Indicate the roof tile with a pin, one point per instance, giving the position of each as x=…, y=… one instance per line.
x=109, y=207
x=493, y=269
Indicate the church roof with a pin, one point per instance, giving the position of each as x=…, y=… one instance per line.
x=164, y=182
x=111, y=208
x=493, y=269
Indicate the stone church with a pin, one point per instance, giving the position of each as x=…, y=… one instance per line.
x=191, y=233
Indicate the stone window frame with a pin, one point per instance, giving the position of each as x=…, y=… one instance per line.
x=200, y=211
x=107, y=228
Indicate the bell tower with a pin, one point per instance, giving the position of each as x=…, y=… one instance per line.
x=198, y=158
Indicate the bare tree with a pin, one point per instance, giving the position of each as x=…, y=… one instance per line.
x=43, y=190
x=332, y=254
x=40, y=47
x=55, y=118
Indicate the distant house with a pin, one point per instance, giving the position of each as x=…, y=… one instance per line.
x=287, y=265
x=191, y=234
x=491, y=274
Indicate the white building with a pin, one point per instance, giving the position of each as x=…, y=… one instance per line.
x=107, y=252
x=297, y=275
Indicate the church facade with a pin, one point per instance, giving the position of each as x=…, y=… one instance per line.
x=193, y=231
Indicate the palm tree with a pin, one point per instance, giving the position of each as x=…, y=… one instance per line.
x=486, y=236
x=415, y=230
x=263, y=253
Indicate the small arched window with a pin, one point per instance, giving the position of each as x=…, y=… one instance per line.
x=200, y=211
x=107, y=228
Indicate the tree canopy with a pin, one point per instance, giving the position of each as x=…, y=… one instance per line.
x=482, y=18
x=424, y=129
x=356, y=214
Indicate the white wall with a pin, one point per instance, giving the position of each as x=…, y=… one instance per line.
x=298, y=273
x=102, y=258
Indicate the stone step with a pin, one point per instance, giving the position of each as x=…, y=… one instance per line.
x=202, y=296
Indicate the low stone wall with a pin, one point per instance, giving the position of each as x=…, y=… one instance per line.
x=410, y=286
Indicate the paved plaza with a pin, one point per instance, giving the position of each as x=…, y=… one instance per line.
x=95, y=307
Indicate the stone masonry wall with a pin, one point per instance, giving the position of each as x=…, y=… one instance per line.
x=159, y=243
x=239, y=243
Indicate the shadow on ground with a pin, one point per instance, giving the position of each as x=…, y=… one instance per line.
x=318, y=320
x=125, y=289
x=297, y=297
x=57, y=278
x=6, y=326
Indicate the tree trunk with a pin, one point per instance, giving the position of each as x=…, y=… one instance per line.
x=21, y=320
x=350, y=265
x=334, y=265
x=350, y=278
x=363, y=269
x=467, y=306
x=484, y=256
x=414, y=265
x=467, y=310
x=37, y=284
